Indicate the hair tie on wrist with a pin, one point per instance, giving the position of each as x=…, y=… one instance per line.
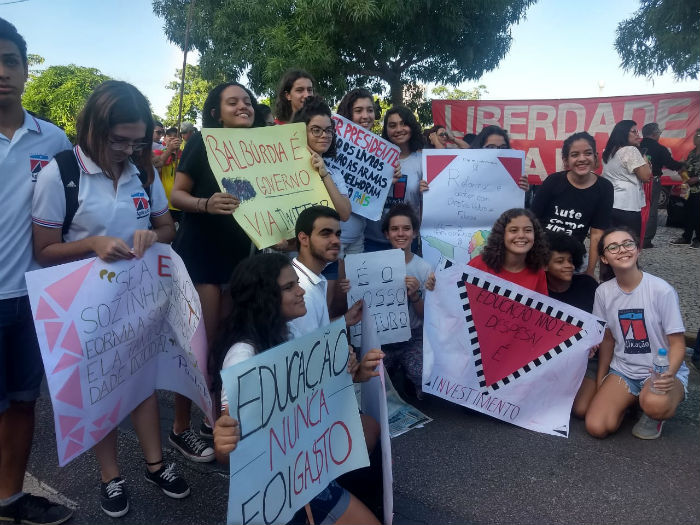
x=206, y=205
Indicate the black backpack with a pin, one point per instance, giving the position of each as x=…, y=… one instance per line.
x=70, y=176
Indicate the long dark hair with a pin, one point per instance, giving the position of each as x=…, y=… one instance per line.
x=494, y=253
x=480, y=139
x=213, y=105
x=416, y=142
x=283, y=107
x=256, y=315
x=619, y=138
x=352, y=96
x=315, y=106
x=114, y=102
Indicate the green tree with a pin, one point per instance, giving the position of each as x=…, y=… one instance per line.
x=195, y=93
x=445, y=93
x=661, y=35
x=377, y=43
x=58, y=93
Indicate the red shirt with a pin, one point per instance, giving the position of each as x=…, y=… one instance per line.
x=536, y=281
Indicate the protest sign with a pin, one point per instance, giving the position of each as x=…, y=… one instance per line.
x=112, y=333
x=469, y=189
x=379, y=278
x=366, y=163
x=300, y=425
x=269, y=170
x=539, y=127
x=501, y=349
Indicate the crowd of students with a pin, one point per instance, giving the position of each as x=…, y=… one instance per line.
x=254, y=301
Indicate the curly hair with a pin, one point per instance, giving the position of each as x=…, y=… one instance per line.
x=283, y=107
x=494, y=253
x=415, y=143
x=480, y=139
x=619, y=138
x=563, y=243
x=315, y=106
x=211, y=111
x=402, y=209
x=352, y=96
x=256, y=315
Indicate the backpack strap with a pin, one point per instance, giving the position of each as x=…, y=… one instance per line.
x=70, y=176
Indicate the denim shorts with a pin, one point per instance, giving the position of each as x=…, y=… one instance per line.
x=635, y=385
x=21, y=368
x=327, y=507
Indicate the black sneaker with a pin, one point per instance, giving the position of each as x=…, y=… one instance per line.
x=170, y=483
x=206, y=431
x=34, y=510
x=680, y=240
x=114, y=499
x=192, y=446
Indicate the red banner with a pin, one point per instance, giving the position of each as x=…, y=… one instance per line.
x=539, y=127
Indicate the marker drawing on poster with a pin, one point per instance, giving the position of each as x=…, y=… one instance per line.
x=300, y=425
x=112, y=333
x=366, y=163
x=504, y=350
x=379, y=278
x=469, y=189
x=269, y=170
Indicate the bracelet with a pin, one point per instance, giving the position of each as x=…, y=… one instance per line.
x=323, y=176
x=206, y=205
x=196, y=206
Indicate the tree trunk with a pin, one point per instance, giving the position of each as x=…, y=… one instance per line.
x=396, y=87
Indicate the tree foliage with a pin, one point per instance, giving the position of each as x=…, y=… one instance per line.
x=195, y=93
x=661, y=35
x=376, y=43
x=58, y=93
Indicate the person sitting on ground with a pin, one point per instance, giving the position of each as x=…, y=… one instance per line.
x=516, y=250
x=578, y=290
x=267, y=296
x=643, y=315
x=576, y=199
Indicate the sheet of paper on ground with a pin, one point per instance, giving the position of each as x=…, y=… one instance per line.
x=112, y=333
x=469, y=189
x=366, y=162
x=300, y=425
x=503, y=350
x=379, y=278
x=269, y=170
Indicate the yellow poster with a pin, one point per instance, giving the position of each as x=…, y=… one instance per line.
x=269, y=170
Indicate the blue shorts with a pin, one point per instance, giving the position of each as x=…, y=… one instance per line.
x=21, y=367
x=635, y=385
x=327, y=507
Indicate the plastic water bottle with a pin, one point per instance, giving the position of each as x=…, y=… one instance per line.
x=659, y=366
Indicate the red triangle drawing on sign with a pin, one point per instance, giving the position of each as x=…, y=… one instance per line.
x=511, y=334
x=65, y=290
x=514, y=167
x=435, y=164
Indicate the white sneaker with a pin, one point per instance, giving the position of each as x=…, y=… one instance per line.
x=647, y=428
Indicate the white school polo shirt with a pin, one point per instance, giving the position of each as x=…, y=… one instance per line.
x=315, y=287
x=101, y=210
x=21, y=159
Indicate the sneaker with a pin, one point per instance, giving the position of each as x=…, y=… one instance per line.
x=695, y=244
x=206, y=431
x=647, y=428
x=34, y=510
x=114, y=499
x=170, y=483
x=648, y=244
x=192, y=446
x=680, y=240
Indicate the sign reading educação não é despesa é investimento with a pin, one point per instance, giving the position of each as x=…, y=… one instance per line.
x=269, y=170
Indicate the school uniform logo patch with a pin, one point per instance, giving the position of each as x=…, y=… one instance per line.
x=141, y=204
x=634, y=330
x=36, y=163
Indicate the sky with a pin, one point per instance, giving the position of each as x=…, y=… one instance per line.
x=562, y=49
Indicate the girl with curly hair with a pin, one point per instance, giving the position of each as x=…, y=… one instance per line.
x=266, y=296
x=516, y=250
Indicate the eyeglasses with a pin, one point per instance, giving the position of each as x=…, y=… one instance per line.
x=628, y=245
x=123, y=145
x=317, y=132
x=493, y=146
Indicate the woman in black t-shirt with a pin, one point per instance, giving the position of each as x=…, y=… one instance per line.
x=209, y=240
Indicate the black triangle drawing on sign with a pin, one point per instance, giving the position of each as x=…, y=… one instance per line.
x=563, y=430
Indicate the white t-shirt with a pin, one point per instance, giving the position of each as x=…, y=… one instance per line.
x=100, y=211
x=619, y=170
x=420, y=269
x=639, y=321
x=29, y=151
x=238, y=353
x=315, y=288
